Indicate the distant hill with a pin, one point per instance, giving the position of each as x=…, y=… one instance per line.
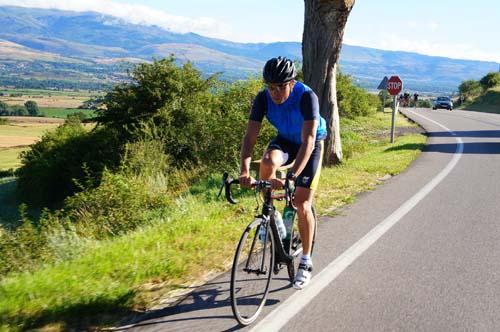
x=96, y=48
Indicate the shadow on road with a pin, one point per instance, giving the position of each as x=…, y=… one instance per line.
x=209, y=302
x=469, y=148
x=468, y=133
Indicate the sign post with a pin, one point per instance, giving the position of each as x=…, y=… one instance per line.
x=394, y=87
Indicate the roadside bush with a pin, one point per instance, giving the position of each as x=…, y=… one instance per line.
x=4, y=121
x=490, y=80
x=424, y=103
x=354, y=101
x=177, y=101
x=49, y=169
x=470, y=89
x=228, y=126
x=21, y=247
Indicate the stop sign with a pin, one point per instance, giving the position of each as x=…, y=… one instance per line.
x=394, y=85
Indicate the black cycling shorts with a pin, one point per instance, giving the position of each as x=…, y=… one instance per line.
x=309, y=177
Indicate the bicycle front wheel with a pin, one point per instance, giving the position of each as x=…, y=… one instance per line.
x=251, y=273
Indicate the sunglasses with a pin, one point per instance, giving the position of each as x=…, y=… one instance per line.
x=277, y=87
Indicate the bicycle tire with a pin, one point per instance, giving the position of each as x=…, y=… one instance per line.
x=249, y=286
x=296, y=246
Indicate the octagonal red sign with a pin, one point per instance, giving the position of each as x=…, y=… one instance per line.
x=394, y=85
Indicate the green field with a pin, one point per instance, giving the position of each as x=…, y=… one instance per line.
x=55, y=112
x=9, y=158
x=15, y=135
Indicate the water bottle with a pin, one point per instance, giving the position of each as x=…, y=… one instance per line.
x=279, y=224
x=288, y=215
x=262, y=230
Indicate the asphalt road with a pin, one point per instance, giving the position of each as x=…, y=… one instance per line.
x=419, y=253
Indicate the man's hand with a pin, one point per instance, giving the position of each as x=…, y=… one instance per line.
x=246, y=180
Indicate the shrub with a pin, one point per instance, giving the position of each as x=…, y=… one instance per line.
x=490, y=80
x=32, y=107
x=424, y=103
x=352, y=100
x=20, y=248
x=18, y=111
x=4, y=108
x=470, y=89
x=177, y=101
x=49, y=168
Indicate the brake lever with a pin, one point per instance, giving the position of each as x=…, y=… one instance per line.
x=223, y=184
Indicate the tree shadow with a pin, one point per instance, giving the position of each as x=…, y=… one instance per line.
x=469, y=148
x=468, y=133
x=78, y=316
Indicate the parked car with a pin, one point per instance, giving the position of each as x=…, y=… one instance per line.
x=443, y=102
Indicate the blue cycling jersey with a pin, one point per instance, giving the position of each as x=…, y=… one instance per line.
x=288, y=118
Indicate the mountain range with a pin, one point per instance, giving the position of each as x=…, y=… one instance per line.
x=95, y=49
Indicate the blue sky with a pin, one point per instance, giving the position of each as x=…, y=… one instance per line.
x=440, y=27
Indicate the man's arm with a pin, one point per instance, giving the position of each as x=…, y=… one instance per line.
x=253, y=129
x=308, y=138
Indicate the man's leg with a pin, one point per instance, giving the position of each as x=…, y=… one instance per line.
x=303, y=202
x=271, y=161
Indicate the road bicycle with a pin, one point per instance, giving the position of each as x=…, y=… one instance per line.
x=261, y=252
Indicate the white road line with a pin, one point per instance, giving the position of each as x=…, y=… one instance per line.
x=291, y=306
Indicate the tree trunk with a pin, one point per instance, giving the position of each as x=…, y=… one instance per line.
x=324, y=25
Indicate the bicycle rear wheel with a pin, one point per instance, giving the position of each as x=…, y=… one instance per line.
x=251, y=273
x=296, y=245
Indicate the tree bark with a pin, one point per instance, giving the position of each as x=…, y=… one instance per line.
x=324, y=25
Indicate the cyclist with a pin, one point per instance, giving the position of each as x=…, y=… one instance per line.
x=415, y=99
x=293, y=109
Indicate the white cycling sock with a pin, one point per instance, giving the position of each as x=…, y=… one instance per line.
x=306, y=259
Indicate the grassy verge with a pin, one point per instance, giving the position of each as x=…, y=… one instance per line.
x=181, y=245
x=488, y=102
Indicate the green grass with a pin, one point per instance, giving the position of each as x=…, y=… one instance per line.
x=112, y=278
x=488, y=102
x=55, y=112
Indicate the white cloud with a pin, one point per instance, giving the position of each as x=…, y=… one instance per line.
x=136, y=14
x=451, y=50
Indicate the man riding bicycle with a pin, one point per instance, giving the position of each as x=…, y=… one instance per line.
x=293, y=109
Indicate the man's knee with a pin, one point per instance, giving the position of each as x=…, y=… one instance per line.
x=303, y=205
x=268, y=162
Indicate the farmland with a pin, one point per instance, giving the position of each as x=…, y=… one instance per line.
x=17, y=136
